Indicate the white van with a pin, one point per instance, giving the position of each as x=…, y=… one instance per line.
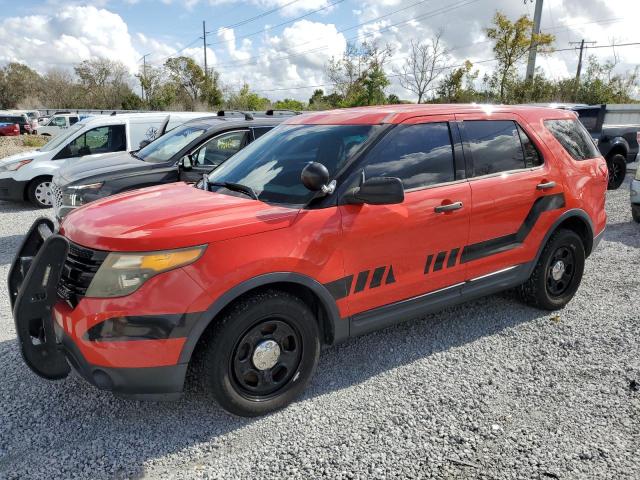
x=59, y=123
x=27, y=175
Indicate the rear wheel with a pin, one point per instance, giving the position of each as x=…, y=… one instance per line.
x=617, y=165
x=39, y=192
x=261, y=354
x=557, y=274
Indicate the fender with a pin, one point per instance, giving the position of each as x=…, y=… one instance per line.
x=573, y=213
x=615, y=142
x=339, y=327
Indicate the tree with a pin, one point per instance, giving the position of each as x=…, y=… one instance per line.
x=512, y=43
x=358, y=77
x=289, y=104
x=320, y=101
x=17, y=81
x=103, y=83
x=191, y=81
x=426, y=63
x=457, y=86
x=245, y=99
x=60, y=89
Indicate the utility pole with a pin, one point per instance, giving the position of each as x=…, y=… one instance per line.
x=533, y=49
x=204, y=39
x=579, y=70
x=144, y=72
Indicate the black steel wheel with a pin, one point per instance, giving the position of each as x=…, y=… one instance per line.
x=617, y=165
x=260, y=354
x=266, y=357
x=557, y=274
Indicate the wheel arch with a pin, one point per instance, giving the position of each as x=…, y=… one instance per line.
x=27, y=186
x=618, y=146
x=333, y=329
x=576, y=220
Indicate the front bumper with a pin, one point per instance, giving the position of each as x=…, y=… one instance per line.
x=11, y=189
x=128, y=355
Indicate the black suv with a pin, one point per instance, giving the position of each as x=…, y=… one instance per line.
x=182, y=154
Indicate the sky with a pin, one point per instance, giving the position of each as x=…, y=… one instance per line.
x=281, y=47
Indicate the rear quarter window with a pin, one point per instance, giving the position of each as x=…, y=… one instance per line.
x=575, y=139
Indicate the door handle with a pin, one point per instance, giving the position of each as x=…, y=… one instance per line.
x=545, y=185
x=449, y=207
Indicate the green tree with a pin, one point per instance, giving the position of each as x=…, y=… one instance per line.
x=192, y=83
x=458, y=85
x=17, y=82
x=289, y=104
x=103, y=83
x=245, y=99
x=512, y=41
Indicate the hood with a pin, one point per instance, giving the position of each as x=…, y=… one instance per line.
x=170, y=216
x=81, y=168
x=32, y=154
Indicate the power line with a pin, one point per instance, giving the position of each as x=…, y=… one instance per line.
x=261, y=15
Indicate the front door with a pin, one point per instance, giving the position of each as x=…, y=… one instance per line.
x=514, y=192
x=395, y=252
x=213, y=153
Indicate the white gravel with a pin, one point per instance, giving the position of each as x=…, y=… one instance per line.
x=490, y=389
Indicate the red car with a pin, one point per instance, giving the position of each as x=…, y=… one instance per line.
x=330, y=226
x=9, y=129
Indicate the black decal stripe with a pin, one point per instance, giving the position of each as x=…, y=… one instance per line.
x=453, y=256
x=427, y=265
x=340, y=288
x=439, y=261
x=390, y=276
x=513, y=240
x=143, y=327
x=376, y=278
x=362, y=281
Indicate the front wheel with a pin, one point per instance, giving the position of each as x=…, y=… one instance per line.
x=39, y=192
x=557, y=274
x=617, y=165
x=261, y=354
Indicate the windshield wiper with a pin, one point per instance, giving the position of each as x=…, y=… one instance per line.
x=237, y=187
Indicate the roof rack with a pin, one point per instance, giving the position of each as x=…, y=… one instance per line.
x=272, y=112
x=225, y=113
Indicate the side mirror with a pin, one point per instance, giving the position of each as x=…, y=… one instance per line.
x=185, y=163
x=315, y=177
x=377, y=191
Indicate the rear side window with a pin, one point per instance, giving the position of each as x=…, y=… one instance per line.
x=574, y=138
x=495, y=146
x=532, y=157
x=419, y=155
x=73, y=120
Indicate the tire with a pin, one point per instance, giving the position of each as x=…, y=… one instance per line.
x=39, y=192
x=230, y=367
x=635, y=212
x=544, y=289
x=617, y=165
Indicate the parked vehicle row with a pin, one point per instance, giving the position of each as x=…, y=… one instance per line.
x=20, y=119
x=330, y=225
x=27, y=175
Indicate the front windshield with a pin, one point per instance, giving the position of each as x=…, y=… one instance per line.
x=55, y=142
x=271, y=165
x=165, y=147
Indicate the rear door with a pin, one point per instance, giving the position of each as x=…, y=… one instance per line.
x=395, y=252
x=513, y=190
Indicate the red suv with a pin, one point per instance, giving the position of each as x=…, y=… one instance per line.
x=330, y=226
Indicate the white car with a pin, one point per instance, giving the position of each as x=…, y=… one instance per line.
x=59, y=123
x=27, y=175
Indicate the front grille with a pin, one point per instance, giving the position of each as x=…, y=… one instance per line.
x=78, y=271
x=56, y=196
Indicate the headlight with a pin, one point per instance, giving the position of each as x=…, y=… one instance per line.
x=89, y=186
x=12, y=167
x=123, y=273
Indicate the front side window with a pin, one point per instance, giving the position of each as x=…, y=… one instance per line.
x=97, y=140
x=214, y=152
x=58, y=122
x=420, y=155
x=163, y=148
x=574, y=138
x=272, y=165
x=495, y=146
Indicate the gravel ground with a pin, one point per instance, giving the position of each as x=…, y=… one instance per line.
x=489, y=389
x=11, y=145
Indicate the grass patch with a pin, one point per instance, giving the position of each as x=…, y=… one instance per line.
x=31, y=141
